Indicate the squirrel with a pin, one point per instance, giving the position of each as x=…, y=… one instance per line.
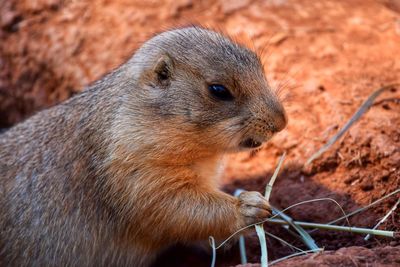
x=130, y=166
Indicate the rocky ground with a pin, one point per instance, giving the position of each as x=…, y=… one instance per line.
x=325, y=57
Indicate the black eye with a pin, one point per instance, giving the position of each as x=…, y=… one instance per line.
x=220, y=92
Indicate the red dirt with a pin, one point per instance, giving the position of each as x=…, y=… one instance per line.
x=351, y=256
x=325, y=56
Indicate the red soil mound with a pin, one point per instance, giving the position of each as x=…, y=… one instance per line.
x=325, y=56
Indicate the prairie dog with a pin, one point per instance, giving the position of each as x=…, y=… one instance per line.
x=129, y=166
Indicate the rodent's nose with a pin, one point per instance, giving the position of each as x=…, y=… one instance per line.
x=279, y=119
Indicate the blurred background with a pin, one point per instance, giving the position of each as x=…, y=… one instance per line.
x=325, y=57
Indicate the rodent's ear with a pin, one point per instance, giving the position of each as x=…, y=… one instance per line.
x=163, y=69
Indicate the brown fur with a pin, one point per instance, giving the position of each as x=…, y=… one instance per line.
x=129, y=166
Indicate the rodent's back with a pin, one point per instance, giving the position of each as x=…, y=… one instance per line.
x=50, y=169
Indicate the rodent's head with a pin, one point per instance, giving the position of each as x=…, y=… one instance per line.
x=207, y=90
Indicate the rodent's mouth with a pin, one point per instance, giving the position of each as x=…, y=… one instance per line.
x=254, y=141
x=250, y=143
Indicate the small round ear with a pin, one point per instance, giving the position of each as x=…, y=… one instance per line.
x=163, y=69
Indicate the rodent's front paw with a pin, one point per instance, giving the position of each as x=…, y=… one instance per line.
x=253, y=207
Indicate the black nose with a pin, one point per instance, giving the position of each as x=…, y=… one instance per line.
x=250, y=143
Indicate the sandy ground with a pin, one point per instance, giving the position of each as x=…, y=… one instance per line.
x=325, y=58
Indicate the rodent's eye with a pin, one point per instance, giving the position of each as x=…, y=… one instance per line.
x=220, y=92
